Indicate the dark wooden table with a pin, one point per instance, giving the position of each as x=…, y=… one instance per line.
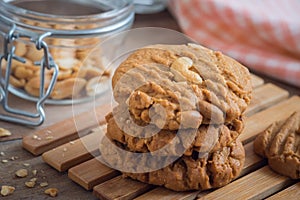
x=17, y=156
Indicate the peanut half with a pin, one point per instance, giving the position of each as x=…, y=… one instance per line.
x=181, y=70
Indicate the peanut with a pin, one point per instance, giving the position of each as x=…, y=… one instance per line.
x=96, y=85
x=18, y=83
x=21, y=173
x=7, y=190
x=68, y=88
x=51, y=192
x=67, y=63
x=181, y=70
x=33, y=54
x=22, y=73
x=20, y=48
x=4, y=132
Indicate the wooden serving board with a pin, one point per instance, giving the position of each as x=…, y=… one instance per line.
x=65, y=151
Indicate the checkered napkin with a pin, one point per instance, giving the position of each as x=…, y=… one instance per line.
x=262, y=34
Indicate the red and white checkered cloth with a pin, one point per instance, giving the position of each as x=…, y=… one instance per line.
x=262, y=34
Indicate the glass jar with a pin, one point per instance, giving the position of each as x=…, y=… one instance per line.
x=50, y=49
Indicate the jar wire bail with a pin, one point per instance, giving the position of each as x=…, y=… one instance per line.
x=16, y=115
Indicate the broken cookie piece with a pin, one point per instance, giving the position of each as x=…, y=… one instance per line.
x=280, y=143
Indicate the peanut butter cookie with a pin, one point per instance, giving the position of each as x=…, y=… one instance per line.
x=187, y=172
x=280, y=144
x=149, y=138
x=163, y=84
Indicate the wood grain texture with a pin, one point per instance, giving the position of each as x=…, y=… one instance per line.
x=292, y=192
x=256, y=185
x=252, y=161
x=74, y=152
x=264, y=97
x=260, y=121
x=121, y=189
x=63, y=131
x=160, y=193
x=91, y=173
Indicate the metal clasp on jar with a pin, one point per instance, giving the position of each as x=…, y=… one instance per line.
x=16, y=115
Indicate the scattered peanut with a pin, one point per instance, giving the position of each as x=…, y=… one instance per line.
x=2, y=153
x=21, y=173
x=181, y=70
x=30, y=184
x=34, y=172
x=51, y=192
x=26, y=164
x=4, y=132
x=33, y=179
x=14, y=158
x=7, y=190
x=44, y=184
x=4, y=161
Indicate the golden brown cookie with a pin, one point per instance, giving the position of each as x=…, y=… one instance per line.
x=185, y=173
x=164, y=84
x=280, y=143
x=139, y=138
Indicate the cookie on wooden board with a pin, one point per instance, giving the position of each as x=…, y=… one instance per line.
x=280, y=144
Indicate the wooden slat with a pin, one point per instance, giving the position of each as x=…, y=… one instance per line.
x=252, y=161
x=91, y=173
x=260, y=121
x=264, y=97
x=257, y=185
x=75, y=152
x=292, y=192
x=121, y=189
x=161, y=193
x=256, y=81
x=64, y=131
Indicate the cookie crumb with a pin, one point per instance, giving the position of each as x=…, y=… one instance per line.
x=4, y=132
x=7, y=190
x=51, y=192
x=72, y=142
x=35, y=137
x=21, y=173
x=65, y=149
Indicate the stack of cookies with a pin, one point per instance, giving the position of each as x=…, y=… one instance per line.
x=179, y=114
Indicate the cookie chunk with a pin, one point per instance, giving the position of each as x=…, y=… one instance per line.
x=168, y=84
x=280, y=143
x=149, y=138
x=185, y=173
